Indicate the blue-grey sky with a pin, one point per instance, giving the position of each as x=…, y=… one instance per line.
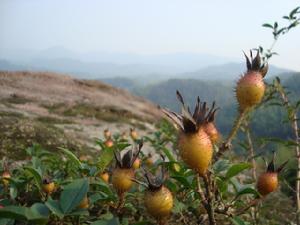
x=217, y=27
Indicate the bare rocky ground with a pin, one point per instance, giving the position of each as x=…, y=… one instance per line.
x=57, y=110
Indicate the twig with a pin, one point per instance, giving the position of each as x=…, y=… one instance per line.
x=227, y=144
x=210, y=200
x=251, y=150
x=254, y=202
x=294, y=124
x=201, y=193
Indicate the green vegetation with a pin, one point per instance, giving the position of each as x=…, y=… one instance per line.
x=268, y=120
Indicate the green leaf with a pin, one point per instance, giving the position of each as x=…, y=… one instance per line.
x=178, y=206
x=54, y=207
x=105, y=158
x=237, y=221
x=7, y=222
x=168, y=154
x=236, y=169
x=71, y=156
x=183, y=180
x=247, y=190
x=36, y=176
x=113, y=221
x=72, y=195
x=37, y=212
x=294, y=11
x=267, y=25
x=13, y=212
x=13, y=191
x=222, y=185
x=221, y=165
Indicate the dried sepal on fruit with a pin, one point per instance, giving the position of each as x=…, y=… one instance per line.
x=208, y=123
x=195, y=144
x=48, y=186
x=134, y=134
x=123, y=174
x=250, y=88
x=149, y=160
x=107, y=134
x=158, y=198
x=268, y=181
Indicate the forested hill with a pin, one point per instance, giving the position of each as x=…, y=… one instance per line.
x=266, y=121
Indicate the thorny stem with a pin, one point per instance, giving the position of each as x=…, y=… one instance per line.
x=226, y=145
x=121, y=201
x=251, y=150
x=294, y=124
x=210, y=201
x=201, y=193
x=254, y=211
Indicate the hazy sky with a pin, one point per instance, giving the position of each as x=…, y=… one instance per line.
x=220, y=27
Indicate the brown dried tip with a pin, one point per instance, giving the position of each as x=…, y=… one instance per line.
x=256, y=64
x=46, y=181
x=155, y=182
x=188, y=122
x=129, y=157
x=271, y=166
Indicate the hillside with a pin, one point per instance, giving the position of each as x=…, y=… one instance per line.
x=57, y=110
x=267, y=121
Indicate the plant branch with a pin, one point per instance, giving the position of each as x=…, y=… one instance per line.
x=293, y=118
x=254, y=202
x=210, y=200
x=227, y=144
x=251, y=150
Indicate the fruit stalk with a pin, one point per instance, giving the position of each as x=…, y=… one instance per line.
x=294, y=124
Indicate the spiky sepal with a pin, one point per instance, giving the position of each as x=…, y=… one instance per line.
x=256, y=64
x=188, y=122
x=129, y=157
x=271, y=166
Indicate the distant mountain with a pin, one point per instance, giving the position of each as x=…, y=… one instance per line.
x=229, y=71
x=103, y=64
x=6, y=65
x=143, y=69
